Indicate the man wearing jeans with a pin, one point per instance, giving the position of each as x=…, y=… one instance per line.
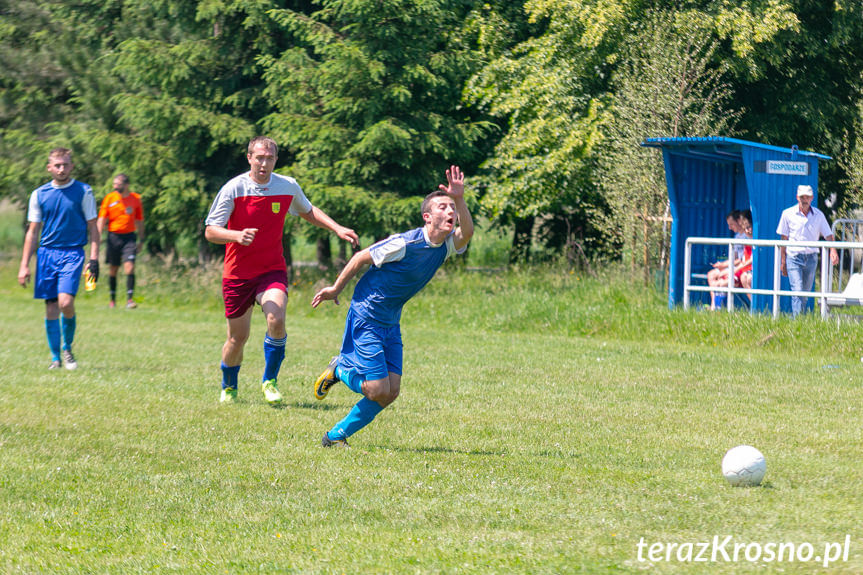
x=803, y=222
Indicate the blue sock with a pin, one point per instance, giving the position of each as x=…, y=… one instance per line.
x=274, y=353
x=68, y=327
x=229, y=376
x=350, y=377
x=52, y=330
x=359, y=416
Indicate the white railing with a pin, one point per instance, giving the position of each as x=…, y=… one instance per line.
x=848, y=230
x=826, y=268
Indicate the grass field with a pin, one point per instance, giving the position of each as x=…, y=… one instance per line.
x=548, y=423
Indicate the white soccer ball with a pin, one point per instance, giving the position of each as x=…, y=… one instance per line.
x=744, y=466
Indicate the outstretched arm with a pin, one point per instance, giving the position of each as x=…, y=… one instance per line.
x=455, y=190
x=318, y=218
x=355, y=264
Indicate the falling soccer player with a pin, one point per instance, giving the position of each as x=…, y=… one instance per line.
x=370, y=361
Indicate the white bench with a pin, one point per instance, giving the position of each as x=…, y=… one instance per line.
x=851, y=295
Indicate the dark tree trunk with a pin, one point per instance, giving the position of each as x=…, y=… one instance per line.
x=325, y=253
x=521, y=240
x=343, y=255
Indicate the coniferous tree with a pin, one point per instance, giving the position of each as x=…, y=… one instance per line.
x=369, y=102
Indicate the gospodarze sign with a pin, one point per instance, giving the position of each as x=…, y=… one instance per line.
x=788, y=168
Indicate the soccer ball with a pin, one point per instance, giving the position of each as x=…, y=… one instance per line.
x=744, y=466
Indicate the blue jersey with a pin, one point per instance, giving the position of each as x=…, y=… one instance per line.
x=63, y=213
x=402, y=265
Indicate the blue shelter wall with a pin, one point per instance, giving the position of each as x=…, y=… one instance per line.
x=702, y=194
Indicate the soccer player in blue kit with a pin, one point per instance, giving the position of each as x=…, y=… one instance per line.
x=370, y=362
x=64, y=211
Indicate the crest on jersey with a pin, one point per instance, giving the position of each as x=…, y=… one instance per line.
x=276, y=206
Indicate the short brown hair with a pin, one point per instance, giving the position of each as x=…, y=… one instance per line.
x=426, y=207
x=263, y=140
x=59, y=152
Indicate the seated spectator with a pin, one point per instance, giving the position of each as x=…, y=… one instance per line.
x=720, y=269
x=744, y=274
x=743, y=267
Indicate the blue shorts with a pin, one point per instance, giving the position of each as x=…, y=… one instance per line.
x=58, y=270
x=373, y=350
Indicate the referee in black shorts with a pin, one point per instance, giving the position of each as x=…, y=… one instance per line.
x=121, y=211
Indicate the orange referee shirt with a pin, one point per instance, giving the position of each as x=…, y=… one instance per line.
x=122, y=213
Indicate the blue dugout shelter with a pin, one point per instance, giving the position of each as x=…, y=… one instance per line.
x=707, y=178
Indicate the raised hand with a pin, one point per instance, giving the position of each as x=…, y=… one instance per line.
x=455, y=183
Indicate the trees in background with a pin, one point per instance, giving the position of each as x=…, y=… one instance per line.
x=363, y=96
x=156, y=89
x=545, y=100
x=802, y=83
x=368, y=100
x=577, y=96
x=851, y=162
x=669, y=85
x=549, y=92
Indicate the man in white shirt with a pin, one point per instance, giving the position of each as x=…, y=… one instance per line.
x=803, y=222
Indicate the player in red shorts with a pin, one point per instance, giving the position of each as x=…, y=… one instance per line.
x=248, y=215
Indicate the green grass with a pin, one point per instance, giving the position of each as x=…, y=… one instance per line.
x=547, y=424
